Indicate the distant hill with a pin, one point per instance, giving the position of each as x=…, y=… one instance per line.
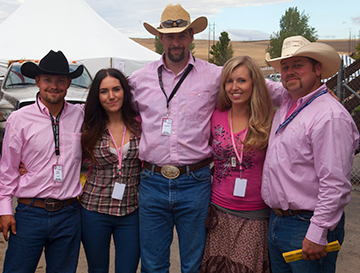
x=254, y=49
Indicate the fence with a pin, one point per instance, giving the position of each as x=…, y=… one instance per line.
x=346, y=85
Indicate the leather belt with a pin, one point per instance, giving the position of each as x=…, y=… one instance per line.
x=281, y=213
x=172, y=172
x=50, y=204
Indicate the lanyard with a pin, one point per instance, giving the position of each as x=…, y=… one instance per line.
x=117, y=149
x=239, y=157
x=176, y=87
x=293, y=115
x=55, y=126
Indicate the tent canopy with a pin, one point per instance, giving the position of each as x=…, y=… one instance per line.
x=72, y=27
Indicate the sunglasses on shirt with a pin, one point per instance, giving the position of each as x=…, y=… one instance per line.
x=178, y=23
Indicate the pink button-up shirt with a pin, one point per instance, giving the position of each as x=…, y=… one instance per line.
x=190, y=110
x=308, y=162
x=29, y=139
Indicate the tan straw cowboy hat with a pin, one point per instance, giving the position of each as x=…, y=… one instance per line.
x=176, y=19
x=298, y=46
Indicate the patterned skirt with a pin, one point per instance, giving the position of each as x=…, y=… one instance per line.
x=236, y=245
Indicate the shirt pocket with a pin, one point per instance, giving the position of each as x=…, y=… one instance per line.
x=76, y=150
x=198, y=105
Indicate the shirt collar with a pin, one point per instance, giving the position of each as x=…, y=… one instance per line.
x=44, y=110
x=306, y=98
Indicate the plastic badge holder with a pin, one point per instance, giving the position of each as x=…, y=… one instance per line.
x=296, y=255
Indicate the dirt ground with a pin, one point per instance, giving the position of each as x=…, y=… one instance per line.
x=348, y=260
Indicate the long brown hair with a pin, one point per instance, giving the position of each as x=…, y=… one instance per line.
x=260, y=104
x=96, y=118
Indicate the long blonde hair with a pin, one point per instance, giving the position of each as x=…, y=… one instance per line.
x=260, y=104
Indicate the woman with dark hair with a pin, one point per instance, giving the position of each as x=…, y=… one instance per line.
x=238, y=218
x=109, y=202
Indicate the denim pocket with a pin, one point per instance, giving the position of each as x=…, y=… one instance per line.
x=21, y=208
x=144, y=173
x=304, y=216
x=202, y=174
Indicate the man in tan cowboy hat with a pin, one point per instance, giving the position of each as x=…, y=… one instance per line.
x=45, y=136
x=175, y=97
x=306, y=177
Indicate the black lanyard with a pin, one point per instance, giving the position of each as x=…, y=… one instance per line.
x=55, y=126
x=177, y=85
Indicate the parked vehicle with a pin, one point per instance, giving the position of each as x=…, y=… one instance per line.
x=18, y=91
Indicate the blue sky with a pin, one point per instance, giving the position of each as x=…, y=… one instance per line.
x=244, y=20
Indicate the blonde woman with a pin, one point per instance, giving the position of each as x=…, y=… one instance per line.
x=238, y=217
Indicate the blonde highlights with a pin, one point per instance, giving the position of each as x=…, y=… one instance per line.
x=260, y=104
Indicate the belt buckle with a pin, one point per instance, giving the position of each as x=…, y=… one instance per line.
x=52, y=204
x=170, y=172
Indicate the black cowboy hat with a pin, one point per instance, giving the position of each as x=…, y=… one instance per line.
x=54, y=63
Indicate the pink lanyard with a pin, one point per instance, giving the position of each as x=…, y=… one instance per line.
x=117, y=149
x=239, y=157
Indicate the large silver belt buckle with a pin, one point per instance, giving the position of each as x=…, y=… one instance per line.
x=52, y=204
x=170, y=172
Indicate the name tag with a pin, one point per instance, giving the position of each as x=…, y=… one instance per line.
x=240, y=187
x=118, y=191
x=58, y=173
x=166, y=126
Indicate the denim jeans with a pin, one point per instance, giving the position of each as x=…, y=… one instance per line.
x=165, y=203
x=97, y=229
x=287, y=233
x=58, y=232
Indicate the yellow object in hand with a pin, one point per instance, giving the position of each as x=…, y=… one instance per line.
x=296, y=255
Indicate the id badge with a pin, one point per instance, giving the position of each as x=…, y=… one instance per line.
x=118, y=191
x=166, y=126
x=233, y=161
x=58, y=173
x=240, y=187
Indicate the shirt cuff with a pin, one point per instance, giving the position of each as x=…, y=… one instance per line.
x=316, y=234
x=6, y=207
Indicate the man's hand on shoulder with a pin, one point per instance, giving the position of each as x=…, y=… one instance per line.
x=7, y=222
x=312, y=251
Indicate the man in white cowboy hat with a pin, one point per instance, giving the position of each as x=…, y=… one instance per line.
x=175, y=97
x=45, y=136
x=306, y=177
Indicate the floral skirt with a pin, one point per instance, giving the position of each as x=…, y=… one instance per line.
x=235, y=244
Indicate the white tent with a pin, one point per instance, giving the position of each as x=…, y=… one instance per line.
x=72, y=27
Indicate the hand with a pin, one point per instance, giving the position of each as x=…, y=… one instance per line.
x=7, y=222
x=333, y=94
x=312, y=251
x=22, y=169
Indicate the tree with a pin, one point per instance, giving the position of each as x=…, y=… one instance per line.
x=291, y=23
x=357, y=52
x=222, y=50
x=158, y=45
x=160, y=49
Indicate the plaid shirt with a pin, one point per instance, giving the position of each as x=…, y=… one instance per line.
x=100, y=183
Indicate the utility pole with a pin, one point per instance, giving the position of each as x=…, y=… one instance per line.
x=211, y=30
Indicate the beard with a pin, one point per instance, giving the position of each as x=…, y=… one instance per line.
x=54, y=99
x=174, y=58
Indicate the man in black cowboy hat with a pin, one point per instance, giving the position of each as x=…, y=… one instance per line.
x=45, y=136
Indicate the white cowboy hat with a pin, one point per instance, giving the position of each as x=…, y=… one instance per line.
x=298, y=46
x=176, y=19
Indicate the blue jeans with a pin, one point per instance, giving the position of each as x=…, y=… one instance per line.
x=165, y=203
x=97, y=229
x=287, y=233
x=58, y=232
